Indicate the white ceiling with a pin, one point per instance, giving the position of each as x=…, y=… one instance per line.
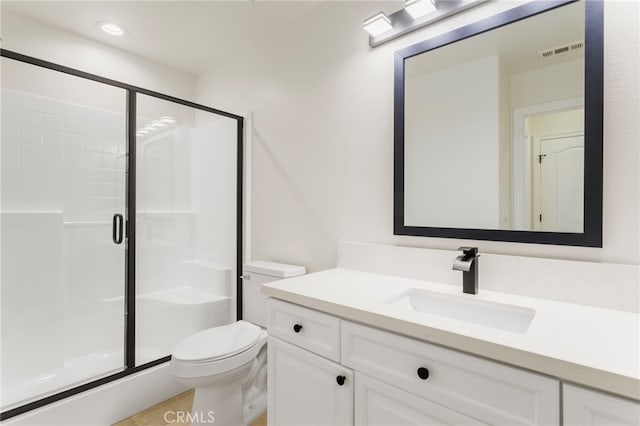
x=187, y=35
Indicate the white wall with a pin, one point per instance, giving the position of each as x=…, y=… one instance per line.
x=323, y=114
x=452, y=146
x=32, y=38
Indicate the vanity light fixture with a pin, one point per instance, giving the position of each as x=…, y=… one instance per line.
x=377, y=24
x=415, y=15
x=167, y=119
x=111, y=28
x=419, y=8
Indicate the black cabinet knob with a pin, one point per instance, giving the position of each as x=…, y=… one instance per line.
x=423, y=373
x=341, y=380
x=297, y=328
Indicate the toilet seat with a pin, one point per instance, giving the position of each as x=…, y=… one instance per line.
x=217, y=350
x=217, y=343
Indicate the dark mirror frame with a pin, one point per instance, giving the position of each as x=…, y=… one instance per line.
x=593, y=131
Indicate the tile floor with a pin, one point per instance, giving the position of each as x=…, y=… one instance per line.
x=155, y=416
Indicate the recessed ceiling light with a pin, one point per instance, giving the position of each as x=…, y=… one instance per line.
x=111, y=28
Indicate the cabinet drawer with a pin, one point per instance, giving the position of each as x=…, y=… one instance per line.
x=309, y=329
x=485, y=390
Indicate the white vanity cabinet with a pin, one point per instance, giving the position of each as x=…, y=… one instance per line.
x=583, y=407
x=306, y=383
x=388, y=379
x=307, y=389
x=380, y=404
x=460, y=385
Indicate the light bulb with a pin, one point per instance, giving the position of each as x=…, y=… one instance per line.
x=377, y=24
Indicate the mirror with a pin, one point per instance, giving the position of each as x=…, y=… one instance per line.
x=498, y=129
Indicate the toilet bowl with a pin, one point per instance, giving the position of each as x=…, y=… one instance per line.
x=223, y=365
x=227, y=365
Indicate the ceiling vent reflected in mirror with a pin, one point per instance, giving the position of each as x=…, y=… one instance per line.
x=576, y=45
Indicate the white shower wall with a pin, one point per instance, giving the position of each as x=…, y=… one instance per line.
x=186, y=195
x=56, y=154
x=62, y=180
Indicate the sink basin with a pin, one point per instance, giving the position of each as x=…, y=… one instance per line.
x=464, y=308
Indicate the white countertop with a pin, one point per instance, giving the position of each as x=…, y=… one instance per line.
x=591, y=346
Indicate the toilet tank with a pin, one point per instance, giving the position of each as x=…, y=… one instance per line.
x=255, y=274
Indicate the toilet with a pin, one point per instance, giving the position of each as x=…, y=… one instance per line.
x=227, y=365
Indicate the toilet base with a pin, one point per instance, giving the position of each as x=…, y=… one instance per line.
x=219, y=401
x=217, y=405
x=255, y=409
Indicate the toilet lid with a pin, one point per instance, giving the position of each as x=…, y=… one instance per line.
x=218, y=342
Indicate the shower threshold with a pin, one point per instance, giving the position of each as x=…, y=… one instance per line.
x=76, y=371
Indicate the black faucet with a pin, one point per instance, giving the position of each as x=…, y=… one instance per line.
x=468, y=264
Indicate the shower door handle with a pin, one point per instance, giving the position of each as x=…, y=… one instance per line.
x=118, y=228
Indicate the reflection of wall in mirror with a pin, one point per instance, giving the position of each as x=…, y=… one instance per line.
x=505, y=152
x=553, y=83
x=451, y=145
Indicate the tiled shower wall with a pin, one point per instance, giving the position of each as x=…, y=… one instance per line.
x=165, y=219
x=32, y=308
x=61, y=156
x=164, y=171
x=63, y=178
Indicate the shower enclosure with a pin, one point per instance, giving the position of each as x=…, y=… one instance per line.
x=120, y=228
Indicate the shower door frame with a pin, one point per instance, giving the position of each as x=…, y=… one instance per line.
x=130, y=228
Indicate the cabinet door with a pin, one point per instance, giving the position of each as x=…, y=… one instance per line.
x=304, y=388
x=584, y=407
x=380, y=404
x=481, y=389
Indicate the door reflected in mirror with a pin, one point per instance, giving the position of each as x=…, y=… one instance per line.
x=494, y=128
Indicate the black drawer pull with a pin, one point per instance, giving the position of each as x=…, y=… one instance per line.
x=423, y=373
x=341, y=380
x=297, y=328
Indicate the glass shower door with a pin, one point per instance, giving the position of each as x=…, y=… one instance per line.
x=62, y=193
x=186, y=227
